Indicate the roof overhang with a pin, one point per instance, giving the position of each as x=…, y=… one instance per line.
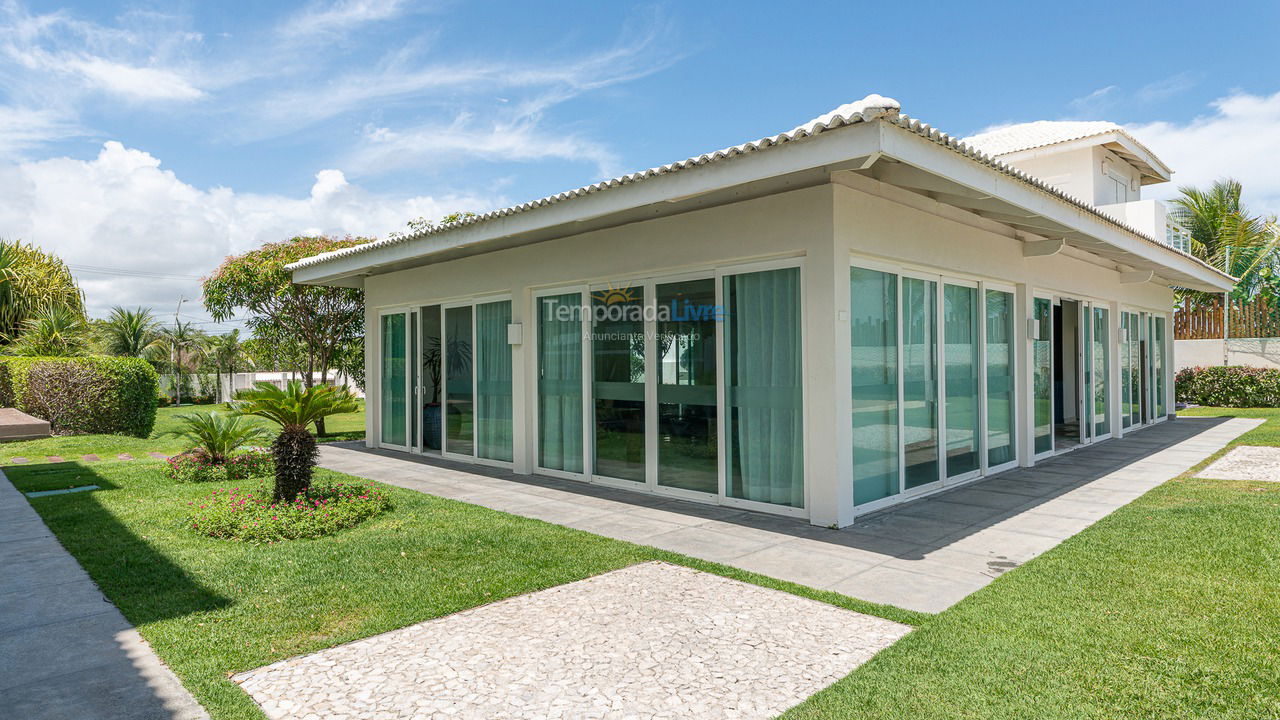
x=896, y=151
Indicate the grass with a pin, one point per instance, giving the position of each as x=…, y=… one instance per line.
x=1169, y=607
x=211, y=608
x=1166, y=608
x=348, y=426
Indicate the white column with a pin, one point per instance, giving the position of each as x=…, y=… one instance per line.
x=524, y=381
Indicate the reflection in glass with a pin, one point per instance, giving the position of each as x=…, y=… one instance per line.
x=1157, y=370
x=560, y=382
x=617, y=343
x=1000, y=378
x=1101, y=371
x=873, y=310
x=394, y=405
x=960, y=335
x=920, y=380
x=1042, y=379
x=459, y=422
x=493, y=381
x=686, y=338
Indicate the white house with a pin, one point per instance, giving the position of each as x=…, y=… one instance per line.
x=848, y=315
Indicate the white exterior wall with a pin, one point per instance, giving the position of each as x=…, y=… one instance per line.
x=1253, y=352
x=825, y=227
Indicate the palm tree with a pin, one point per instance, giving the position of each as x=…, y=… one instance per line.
x=184, y=345
x=129, y=333
x=1225, y=234
x=219, y=434
x=55, y=331
x=226, y=352
x=294, y=408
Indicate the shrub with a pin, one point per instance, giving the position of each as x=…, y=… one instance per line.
x=322, y=509
x=95, y=394
x=1229, y=386
x=198, y=466
x=218, y=434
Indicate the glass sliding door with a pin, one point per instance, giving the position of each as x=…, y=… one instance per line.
x=1101, y=398
x=1126, y=368
x=560, y=382
x=618, y=382
x=920, y=381
x=394, y=380
x=459, y=384
x=764, y=443
x=962, y=365
x=1042, y=374
x=686, y=322
x=873, y=312
x=493, y=381
x=1001, y=395
x=1158, y=364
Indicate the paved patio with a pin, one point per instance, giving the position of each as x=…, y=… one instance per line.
x=65, y=651
x=926, y=555
x=649, y=641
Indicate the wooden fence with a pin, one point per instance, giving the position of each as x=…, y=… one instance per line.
x=1252, y=319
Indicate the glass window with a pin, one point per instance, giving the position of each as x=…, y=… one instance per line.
x=765, y=444
x=873, y=312
x=1101, y=371
x=1042, y=378
x=560, y=382
x=1126, y=367
x=686, y=338
x=394, y=410
x=458, y=382
x=493, y=381
x=1158, y=368
x=920, y=380
x=1001, y=386
x=960, y=353
x=618, y=379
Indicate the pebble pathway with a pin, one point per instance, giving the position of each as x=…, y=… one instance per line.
x=649, y=641
x=87, y=457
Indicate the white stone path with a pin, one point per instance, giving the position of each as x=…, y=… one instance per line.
x=649, y=641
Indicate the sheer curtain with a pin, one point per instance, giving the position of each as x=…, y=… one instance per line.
x=394, y=397
x=493, y=381
x=873, y=309
x=560, y=382
x=765, y=443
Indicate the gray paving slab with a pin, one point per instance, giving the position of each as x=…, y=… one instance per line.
x=924, y=555
x=65, y=651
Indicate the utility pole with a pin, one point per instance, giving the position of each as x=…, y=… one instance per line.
x=177, y=353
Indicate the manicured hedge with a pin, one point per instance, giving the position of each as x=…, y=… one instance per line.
x=1229, y=386
x=96, y=394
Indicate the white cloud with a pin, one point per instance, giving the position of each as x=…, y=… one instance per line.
x=21, y=128
x=122, y=210
x=141, y=83
x=339, y=17
x=1240, y=138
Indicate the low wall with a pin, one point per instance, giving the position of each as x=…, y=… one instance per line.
x=1254, y=352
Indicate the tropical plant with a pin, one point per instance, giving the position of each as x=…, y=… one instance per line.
x=31, y=281
x=219, y=434
x=226, y=353
x=55, y=331
x=129, y=333
x=184, y=345
x=1227, y=236
x=294, y=408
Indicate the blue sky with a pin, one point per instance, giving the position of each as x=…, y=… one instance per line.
x=160, y=137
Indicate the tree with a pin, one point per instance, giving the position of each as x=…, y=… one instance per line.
x=129, y=333
x=321, y=319
x=185, y=346
x=227, y=353
x=55, y=331
x=31, y=282
x=294, y=408
x=1227, y=236
x=421, y=225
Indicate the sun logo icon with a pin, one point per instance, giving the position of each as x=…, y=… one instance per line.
x=612, y=295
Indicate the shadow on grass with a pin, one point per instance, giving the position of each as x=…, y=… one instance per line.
x=133, y=574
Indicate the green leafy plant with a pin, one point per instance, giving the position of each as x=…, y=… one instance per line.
x=294, y=408
x=53, y=331
x=1235, y=386
x=259, y=516
x=83, y=394
x=198, y=467
x=32, y=280
x=218, y=434
x=185, y=346
x=129, y=333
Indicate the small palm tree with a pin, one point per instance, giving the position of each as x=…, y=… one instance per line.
x=219, y=434
x=227, y=352
x=295, y=408
x=129, y=333
x=184, y=345
x=55, y=331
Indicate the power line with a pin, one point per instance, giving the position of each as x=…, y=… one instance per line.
x=126, y=272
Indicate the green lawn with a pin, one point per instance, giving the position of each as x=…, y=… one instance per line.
x=349, y=426
x=1169, y=607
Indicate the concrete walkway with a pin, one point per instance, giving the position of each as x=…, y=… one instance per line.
x=926, y=555
x=65, y=651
